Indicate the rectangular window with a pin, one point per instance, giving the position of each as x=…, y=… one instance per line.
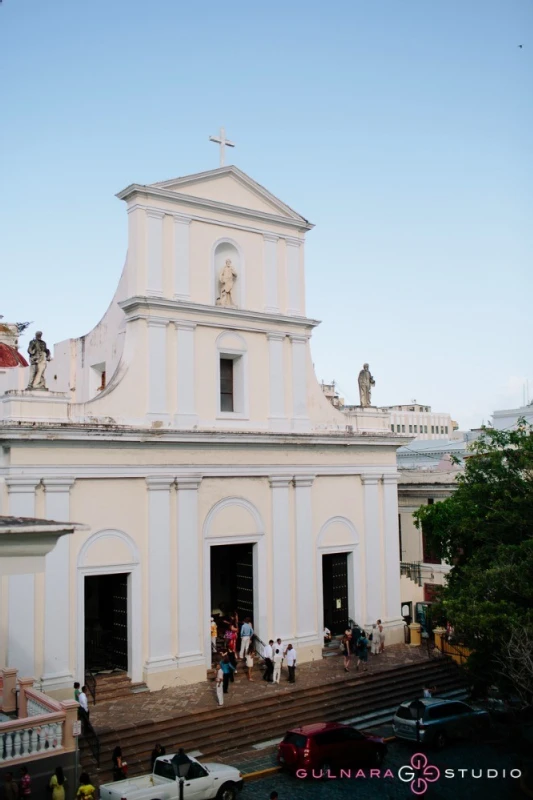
x=442, y=428
x=425, y=428
x=403, y=428
x=226, y=384
x=410, y=428
x=397, y=429
x=415, y=427
x=432, y=429
x=392, y=428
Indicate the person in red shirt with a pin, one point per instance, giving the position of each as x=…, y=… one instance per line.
x=25, y=783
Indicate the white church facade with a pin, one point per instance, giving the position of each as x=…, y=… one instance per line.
x=189, y=434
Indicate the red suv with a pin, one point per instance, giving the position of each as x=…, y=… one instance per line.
x=329, y=744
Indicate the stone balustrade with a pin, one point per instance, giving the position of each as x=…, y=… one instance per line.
x=44, y=725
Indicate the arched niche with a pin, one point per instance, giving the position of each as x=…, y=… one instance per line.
x=228, y=250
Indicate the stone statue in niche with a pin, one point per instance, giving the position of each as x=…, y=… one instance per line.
x=366, y=381
x=39, y=357
x=226, y=279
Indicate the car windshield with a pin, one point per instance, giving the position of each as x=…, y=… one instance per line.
x=295, y=739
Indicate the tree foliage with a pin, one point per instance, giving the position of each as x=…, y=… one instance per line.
x=485, y=530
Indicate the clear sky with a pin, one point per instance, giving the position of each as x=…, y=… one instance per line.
x=401, y=128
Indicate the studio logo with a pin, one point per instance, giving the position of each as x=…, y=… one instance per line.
x=419, y=773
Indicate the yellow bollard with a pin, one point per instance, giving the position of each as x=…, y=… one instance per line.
x=415, y=629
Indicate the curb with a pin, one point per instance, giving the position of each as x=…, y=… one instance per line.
x=261, y=773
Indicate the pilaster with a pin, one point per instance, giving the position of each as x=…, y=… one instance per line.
x=282, y=560
x=186, y=416
x=21, y=593
x=391, y=549
x=372, y=548
x=294, y=299
x=300, y=417
x=306, y=609
x=57, y=673
x=160, y=658
x=157, y=369
x=190, y=628
x=154, y=251
x=277, y=415
x=271, y=272
x=182, y=280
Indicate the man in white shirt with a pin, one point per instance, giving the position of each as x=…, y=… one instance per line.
x=219, y=687
x=269, y=664
x=290, y=655
x=278, y=658
x=84, y=708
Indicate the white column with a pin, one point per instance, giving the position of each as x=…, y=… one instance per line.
x=391, y=548
x=21, y=592
x=157, y=369
x=160, y=658
x=190, y=629
x=300, y=417
x=57, y=671
x=182, y=281
x=186, y=411
x=372, y=549
x=306, y=602
x=277, y=416
x=271, y=272
x=282, y=564
x=154, y=251
x=294, y=299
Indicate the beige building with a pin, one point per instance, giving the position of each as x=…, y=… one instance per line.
x=420, y=421
x=421, y=571
x=187, y=430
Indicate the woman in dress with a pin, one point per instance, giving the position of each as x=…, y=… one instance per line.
x=119, y=765
x=346, y=649
x=57, y=784
x=249, y=664
x=381, y=635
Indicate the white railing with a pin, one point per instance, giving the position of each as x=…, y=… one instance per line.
x=31, y=736
x=38, y=704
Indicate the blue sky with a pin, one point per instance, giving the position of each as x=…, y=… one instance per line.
x=403, y=130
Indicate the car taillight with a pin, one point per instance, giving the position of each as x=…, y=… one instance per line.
x=307, y=752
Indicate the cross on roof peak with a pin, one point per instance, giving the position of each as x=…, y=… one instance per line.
x=223, y=142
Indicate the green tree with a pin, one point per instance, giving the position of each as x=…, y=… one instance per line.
x=485, y=530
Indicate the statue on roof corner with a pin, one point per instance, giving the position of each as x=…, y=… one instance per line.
x=366, y=381
x=226, y=279
x=39, y=357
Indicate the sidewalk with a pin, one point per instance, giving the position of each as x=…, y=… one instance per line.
x=180, y=701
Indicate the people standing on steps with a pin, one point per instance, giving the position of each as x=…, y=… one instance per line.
x=77, y=692
x=219, y=686
x=214, y=634
x=381, y=630
x=290, y=656
x=346, y=647
x=268, y=655
x=375, y=640
x=11, y=789
x=227, y=673
x=246, y=637
x=249, y=664
x=84, y=708
x=278, y=660
x=362, y=651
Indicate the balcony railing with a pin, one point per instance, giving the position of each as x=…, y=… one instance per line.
x=412, y=570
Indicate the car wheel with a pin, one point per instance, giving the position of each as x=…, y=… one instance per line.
x=440, y=741
x=227, y=792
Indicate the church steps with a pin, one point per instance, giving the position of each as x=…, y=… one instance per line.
x=207, y=731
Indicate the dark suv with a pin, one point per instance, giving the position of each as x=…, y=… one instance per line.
x=438, y=720
x=329, y=744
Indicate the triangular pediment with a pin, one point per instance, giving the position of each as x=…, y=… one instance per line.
x=230, y=186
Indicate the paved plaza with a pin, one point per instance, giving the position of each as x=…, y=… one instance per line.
x=189, y=699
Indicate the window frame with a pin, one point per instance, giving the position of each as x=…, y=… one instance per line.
x=240, y=382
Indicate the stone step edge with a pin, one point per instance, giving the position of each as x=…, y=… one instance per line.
x=336, y=704
x=404, y=670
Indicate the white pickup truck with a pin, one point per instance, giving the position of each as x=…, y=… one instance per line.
x=200, y=782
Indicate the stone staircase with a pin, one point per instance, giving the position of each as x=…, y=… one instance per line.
x=112, y=685
x=209, y=733
x=332, y=648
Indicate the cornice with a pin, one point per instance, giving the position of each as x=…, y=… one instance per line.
x=59, y=485
x=137, y=303
x=179, y=198
x=159, y=482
